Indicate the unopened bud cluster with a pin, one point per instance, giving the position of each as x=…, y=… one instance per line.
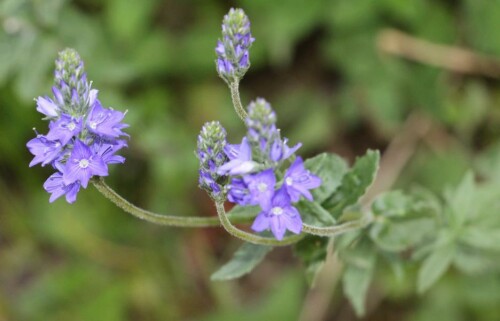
x=233, y=57
x=210, y=152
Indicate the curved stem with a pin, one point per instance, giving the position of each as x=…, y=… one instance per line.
x=160, y=219
x=249, y=237
x=235, y=96
x=336, y=229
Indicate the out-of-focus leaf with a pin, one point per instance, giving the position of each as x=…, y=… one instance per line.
x=483, y=15
x=244, y=261
x=404, y=221
x=356, y=280
x=461, y=202
x=434, y=266
x=481, y=238
x=312, y=250
x=128, y=19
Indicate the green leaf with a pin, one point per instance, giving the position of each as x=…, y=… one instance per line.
x=392, y=204
x=244, y=261
x=399, y=236
x=481, y=238
x=461, y=202
x=356, y=279
x=313, y=213
x=330, y=168
x=312, y=250
x=244, y=211
x=403, y=220
x=434, y=266
x=354, y=183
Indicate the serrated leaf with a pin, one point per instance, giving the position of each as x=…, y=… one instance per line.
x=313, y=213
x=354, y=183
x=356, y=280
x=434, y=266
x=330, y=168
x=312, y=250
x=244, y=261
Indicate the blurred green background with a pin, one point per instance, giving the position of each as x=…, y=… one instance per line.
x=318, y=64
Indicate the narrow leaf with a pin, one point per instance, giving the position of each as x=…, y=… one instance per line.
x=434, y=266
x=482, y=238
x=244, y=261
x=462, y=201
x=356, y=280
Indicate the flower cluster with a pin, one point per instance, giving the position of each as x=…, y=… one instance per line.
x=256, y=177
x=83, y=136
x=211, y=143
x=233, y=58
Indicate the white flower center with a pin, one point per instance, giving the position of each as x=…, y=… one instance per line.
x=277, y=210
x=71, y=126
x=83, y=163
x=93, y=125
x=262, y=187
x=289, y=181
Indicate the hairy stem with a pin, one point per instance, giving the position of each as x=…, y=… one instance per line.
x=235, y=96
x=160, y=219
x=249, y=237
x=337, y=229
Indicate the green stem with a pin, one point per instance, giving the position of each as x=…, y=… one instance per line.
x=336, y=229
x=249, y=237
x=235, y=96
x=160, y=219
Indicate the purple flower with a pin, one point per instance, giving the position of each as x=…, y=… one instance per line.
x=279, y=217
x=58, y=95
x=56, y=187
x=46, y=106
x=205, y=179
x=240, y=159
x=298, y=181
x=65, y=128
x=45, y=150
x=261, y=187
x=219, y=49
x=224, y=66
x=280, y=150
x=105, y=122
x=82, y=165
x=106, y=151
x=239, y=193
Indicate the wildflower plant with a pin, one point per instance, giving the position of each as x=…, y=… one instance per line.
x=283, y=199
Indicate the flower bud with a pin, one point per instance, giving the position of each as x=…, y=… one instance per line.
x=71, y=88
x=232, y=50
x=210, y=153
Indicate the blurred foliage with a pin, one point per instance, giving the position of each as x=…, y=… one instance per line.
x=318, y=64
